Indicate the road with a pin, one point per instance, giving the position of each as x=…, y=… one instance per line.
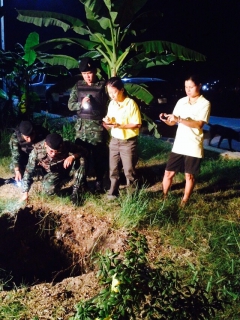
x=227, y=122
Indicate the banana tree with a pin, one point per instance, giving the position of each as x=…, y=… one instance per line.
x=107, y=35
x=18, y=68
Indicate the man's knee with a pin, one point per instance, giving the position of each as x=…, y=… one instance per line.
x=49, y=184
x=189, y=176
x=169, y=174
x=48, y=189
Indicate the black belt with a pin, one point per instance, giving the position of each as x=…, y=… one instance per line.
x=130, y=139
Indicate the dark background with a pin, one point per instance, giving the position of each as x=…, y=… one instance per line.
x=211, y=27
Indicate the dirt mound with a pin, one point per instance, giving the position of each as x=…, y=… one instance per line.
x=54, y=251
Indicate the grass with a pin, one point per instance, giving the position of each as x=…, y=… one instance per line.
x=133, y=209
x=203, y=238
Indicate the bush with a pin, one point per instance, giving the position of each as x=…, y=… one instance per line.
x=133, y=290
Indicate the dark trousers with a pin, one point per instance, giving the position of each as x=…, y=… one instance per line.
x=122, y=152
x=97, y=159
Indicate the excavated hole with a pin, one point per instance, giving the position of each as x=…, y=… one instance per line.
x=30, y=252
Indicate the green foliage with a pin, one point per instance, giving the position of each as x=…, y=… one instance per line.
x=202, y=238
x=134, y=208
x=108, y=35
x=68, y=131
x=134, y=289
x=13, y=310
x=149, y=148
x=18, y=67
x=110, y=28
x=5, y=137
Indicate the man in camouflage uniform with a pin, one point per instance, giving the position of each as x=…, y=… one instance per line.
x=21, y=144
x=58, y=159
x=89, y=98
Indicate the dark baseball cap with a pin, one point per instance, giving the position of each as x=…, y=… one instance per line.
x=26, y=128
x=54, y=141
x=87, y=64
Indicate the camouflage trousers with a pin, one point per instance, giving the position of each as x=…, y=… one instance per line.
x=53, y=181
x=90, y=131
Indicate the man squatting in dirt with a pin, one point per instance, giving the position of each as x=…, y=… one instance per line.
x=89, y=99
x=21, y=144
x=59, y=159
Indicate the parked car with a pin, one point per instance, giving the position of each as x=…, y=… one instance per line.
x=57, y=95
x=164, y=101
x=162, y=92
x=54, y=91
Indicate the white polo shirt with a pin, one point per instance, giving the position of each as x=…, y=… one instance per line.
x=189, y=141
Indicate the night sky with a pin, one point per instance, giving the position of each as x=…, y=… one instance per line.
x=211, y=27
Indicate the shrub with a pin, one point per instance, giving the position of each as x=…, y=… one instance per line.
x=133, y=289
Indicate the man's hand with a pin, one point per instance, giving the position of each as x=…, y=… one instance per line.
x=68, y=161
x=18, y=176
x=25, y=196
x=85, y=99
x=169, y=119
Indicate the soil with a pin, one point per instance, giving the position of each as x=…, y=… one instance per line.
x=47, y=249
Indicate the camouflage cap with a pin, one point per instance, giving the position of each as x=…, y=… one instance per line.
x=54, y=141
x=87, y=64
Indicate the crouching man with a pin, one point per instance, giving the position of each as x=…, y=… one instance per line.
x=21, y=144
x=58, y=159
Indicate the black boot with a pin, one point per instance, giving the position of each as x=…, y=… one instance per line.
x=99, y=186
x=76, y=196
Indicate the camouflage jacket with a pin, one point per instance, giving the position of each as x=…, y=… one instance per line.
x=89, y=122
x=39, y=157
x=18, y=145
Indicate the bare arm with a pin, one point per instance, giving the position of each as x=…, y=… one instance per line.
x=127, y=126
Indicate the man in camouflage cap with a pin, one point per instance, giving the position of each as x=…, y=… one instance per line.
x=89, y=98
x=21, y=144
x=57, y=158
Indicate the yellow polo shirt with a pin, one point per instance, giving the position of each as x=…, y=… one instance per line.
x=126, y=112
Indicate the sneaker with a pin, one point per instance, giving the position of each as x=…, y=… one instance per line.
x=111, y=197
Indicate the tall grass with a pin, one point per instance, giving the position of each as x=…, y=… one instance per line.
x=134, y=208
x=203, y=238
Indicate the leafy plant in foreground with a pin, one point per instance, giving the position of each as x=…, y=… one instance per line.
x=133, y=290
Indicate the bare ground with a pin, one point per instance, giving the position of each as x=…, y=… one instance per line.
x=75, y=232
x=78, y=232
